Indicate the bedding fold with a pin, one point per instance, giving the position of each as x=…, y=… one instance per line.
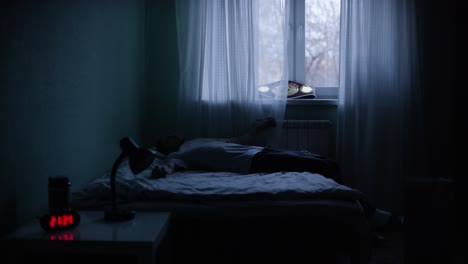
x=206, y=186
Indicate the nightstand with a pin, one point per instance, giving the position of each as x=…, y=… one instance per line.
x=139, y=240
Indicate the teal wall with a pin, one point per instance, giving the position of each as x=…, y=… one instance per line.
x=162, y=70
x=71, y=74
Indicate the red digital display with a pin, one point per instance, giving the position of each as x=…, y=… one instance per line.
x=59, y=221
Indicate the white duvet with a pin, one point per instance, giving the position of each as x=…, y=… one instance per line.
x=213, y=185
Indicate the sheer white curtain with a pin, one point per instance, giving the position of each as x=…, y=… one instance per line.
x=221, y=46
x=379, y=105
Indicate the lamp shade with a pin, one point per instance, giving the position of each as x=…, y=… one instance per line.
x=138, y=158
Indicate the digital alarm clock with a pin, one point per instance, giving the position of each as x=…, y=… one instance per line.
x=60, y=216
x=60, y=220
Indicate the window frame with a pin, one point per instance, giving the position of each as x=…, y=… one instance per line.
x=296, y=56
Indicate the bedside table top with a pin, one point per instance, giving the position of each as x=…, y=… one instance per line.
x=145, y=227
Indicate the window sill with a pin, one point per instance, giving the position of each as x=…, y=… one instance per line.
x=312, y=102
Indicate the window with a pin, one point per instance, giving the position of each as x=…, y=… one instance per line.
x=313, y=53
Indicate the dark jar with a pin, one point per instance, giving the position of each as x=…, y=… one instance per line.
x=59, y=193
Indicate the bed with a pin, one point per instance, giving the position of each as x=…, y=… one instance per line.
x=220, y=217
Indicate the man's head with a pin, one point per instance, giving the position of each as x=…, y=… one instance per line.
x=169, y=144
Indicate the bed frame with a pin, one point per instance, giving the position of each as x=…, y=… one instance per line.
x=310, y=231
x=268, y=231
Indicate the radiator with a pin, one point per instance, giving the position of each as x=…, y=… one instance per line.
x=315, y=136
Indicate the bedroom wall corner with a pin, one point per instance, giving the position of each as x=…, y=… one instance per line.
x=71, y=86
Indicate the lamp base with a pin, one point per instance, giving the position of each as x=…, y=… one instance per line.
x=119, y=215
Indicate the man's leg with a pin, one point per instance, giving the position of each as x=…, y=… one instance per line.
x=285, y=160
x=250, y=136
x=271, y=160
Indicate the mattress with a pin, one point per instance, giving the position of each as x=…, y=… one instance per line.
x=199, y=186
x=249, y=216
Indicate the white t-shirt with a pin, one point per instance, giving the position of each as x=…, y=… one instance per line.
x=209, y=154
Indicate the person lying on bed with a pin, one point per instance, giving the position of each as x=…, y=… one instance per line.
x=240, y=155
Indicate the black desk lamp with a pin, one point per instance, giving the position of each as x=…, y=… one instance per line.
x=138, y=159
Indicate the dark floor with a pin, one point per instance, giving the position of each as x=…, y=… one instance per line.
x=396, y=250
x=427, y=248
x=393, y=253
